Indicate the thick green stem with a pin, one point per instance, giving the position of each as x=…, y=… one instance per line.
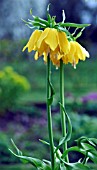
x=63, y=118
x=50, y=131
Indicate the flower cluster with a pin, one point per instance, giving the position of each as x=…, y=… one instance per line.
x=54, y=39
x=54, y=42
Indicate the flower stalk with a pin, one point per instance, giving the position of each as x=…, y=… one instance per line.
x=63, y=118
x=50, y=131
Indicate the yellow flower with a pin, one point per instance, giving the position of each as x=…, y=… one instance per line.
x=53, y=38
x=76, y=53
x=48, y=41
x=54, y=42
x=49, y=36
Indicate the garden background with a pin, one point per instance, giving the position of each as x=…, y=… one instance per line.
x=23, y=86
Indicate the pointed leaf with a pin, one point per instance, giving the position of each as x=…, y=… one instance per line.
x=85, y=139
x=69, y=132
x=93, y=140
x=58, y=153
x=64, y=30
x=74, y=148
x=79, y=34
x=93, y=156
x=68, y=24
x=18, y=151
x=44, y=142
x=75, y=166
x=34, y=161
x=87, y=146
x=62, y=167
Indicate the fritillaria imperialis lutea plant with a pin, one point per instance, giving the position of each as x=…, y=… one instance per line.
x=54, y=42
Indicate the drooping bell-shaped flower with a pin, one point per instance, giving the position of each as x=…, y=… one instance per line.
x=55, y=39
x=76, y=53
x=49, y=41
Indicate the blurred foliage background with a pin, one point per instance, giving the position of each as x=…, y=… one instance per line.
x=23, y=84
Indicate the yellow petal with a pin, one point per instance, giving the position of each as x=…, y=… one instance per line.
x=78, y=52
x=32, y=41
x=65, y=59
x=63, y=42
x=42, y=37
x=85, y=52
x=56, y=51
x=36, y=55
x=24, y=48
x=43, y=48
x=54, y=60
x=71, y=54
x=45, y=57
x=82, y=52
x=69, y=57
x=59, y=56
x=51, y=39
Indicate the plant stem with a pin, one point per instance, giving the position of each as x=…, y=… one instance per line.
x=50, y=131
x=63, y=118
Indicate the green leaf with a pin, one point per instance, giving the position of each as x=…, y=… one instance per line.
x=57, y=165
x=31, y=11
x=44, y=142
x=69, y=132
x=93, y=140
x=77, y=166
x=18, y=151
x=48, y=8
x=93, y=155
x=50, y=100
x=62, y=167
x=58, y=153
x=64, y=30
x=79, y=34
x=48, y=15
x=68, y=24
x=87, y=146
x=74, y=148
x=40, y=20
x=39, y=24
x=34, y=161
x=46, y=167
x=84, y=139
